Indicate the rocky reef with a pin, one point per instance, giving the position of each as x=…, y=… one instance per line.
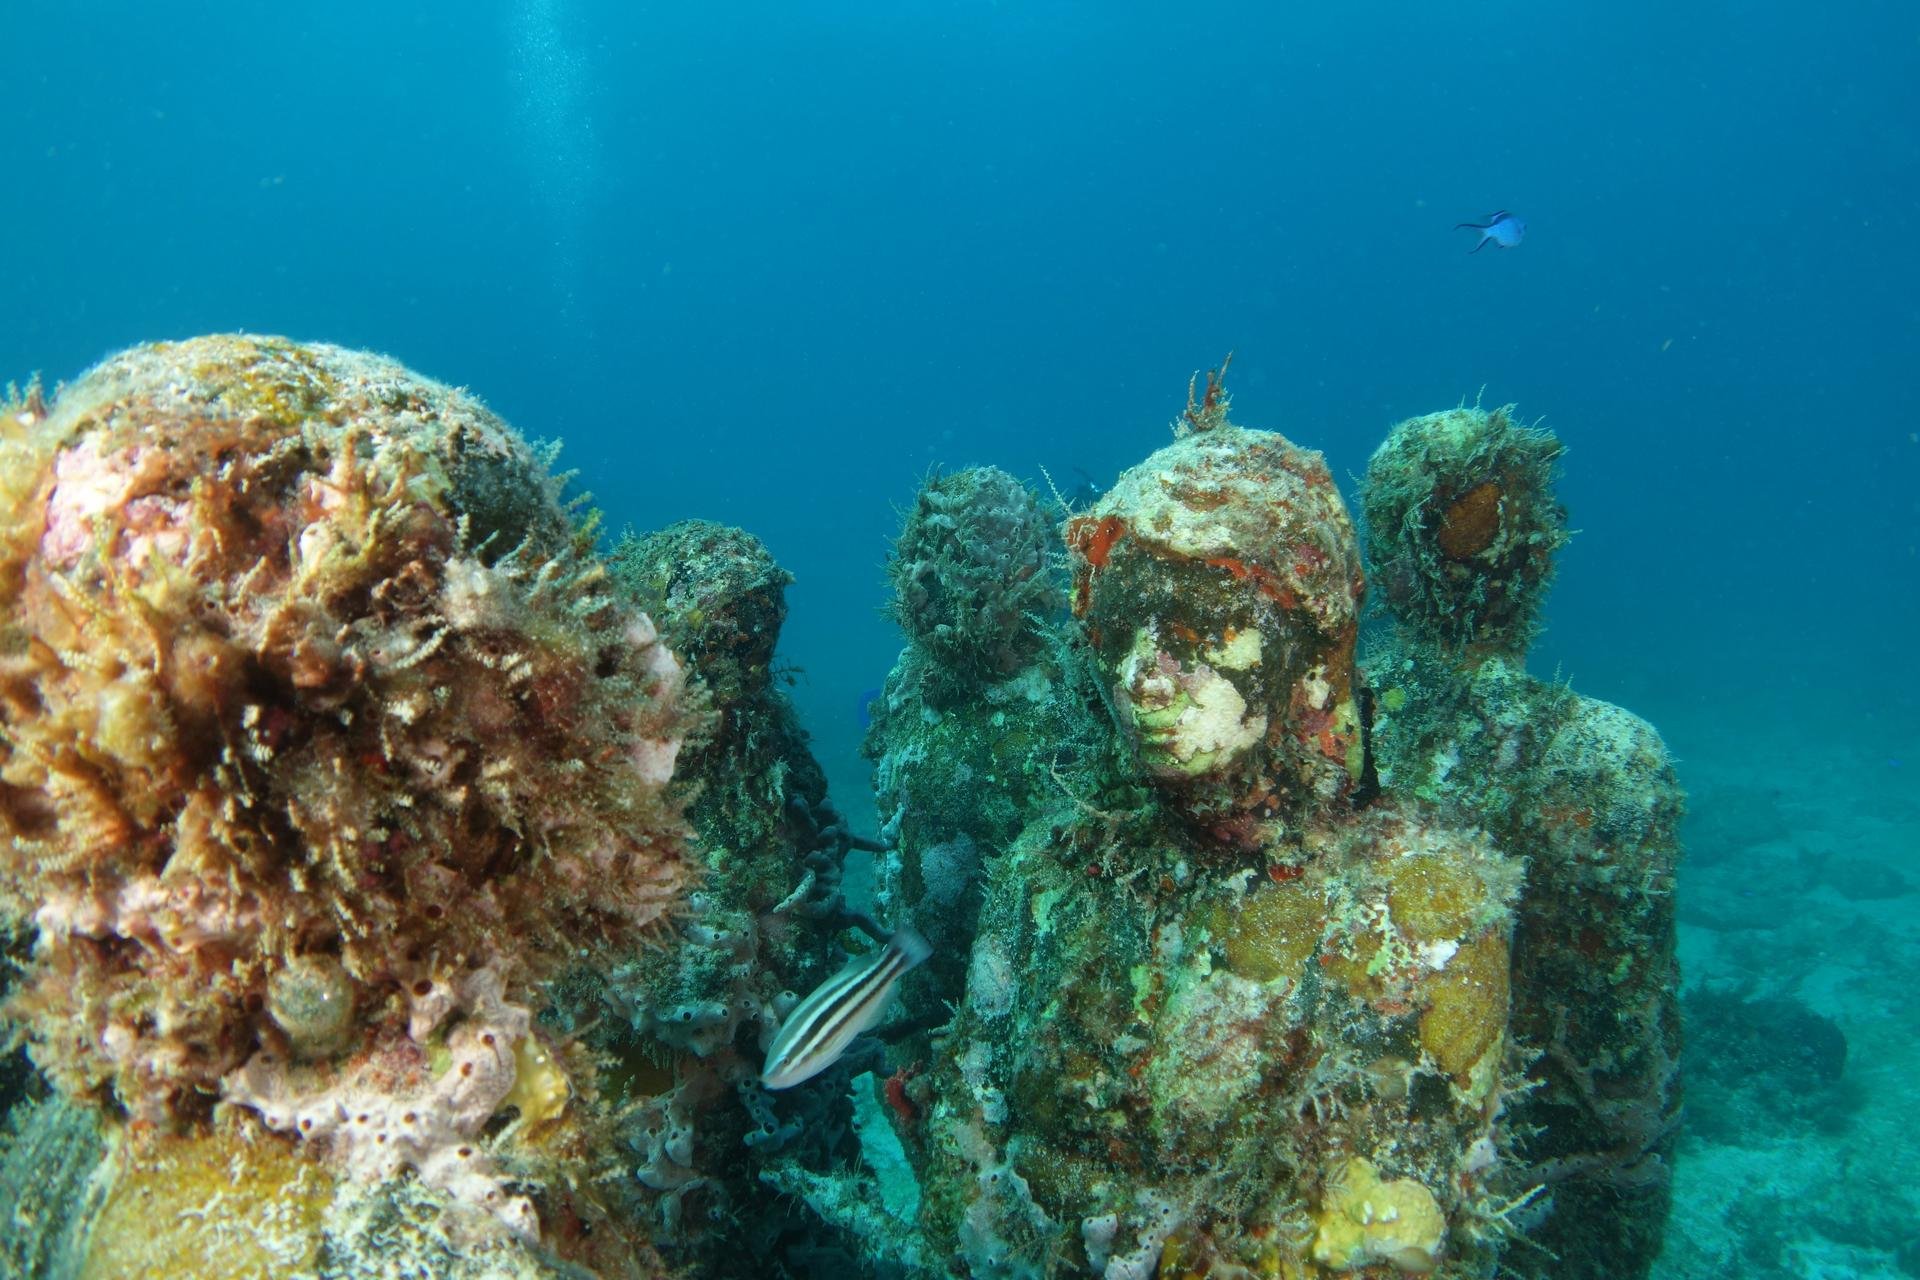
x=399, y=878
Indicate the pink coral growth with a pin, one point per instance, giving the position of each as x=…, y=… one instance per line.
x=385, y=1112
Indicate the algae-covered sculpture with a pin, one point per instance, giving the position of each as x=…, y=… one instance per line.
x=722, y=1168
x=968, y=570
x=323, y=743
x=1246, y=993
x=416, y=891
x=1221, y=1015
x=977, y=588
x=393, y=884
x=1462, y=526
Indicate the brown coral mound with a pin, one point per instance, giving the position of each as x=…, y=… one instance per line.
x=304, y=670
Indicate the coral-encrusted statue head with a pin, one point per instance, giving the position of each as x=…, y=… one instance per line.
x=313, y=704
x=1463, y=527
x=1219, y=583
x=968, y=569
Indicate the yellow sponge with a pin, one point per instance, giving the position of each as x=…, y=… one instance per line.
x=1362, y=1221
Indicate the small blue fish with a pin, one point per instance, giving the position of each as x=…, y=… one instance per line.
x=820, y=1028
x=1500, y=228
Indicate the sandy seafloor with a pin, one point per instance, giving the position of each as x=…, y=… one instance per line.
x=1801, y=883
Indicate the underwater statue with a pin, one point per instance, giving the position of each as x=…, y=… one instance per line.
x=364, y=913
x=1462, y=530
x=1245, y=993
x=326, y=746
x=397, y=881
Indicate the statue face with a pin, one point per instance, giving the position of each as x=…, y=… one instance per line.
x=1219, y=584
x=1238, y=709
x=1191, y=697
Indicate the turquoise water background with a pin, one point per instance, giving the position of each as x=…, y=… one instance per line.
x=767, y=264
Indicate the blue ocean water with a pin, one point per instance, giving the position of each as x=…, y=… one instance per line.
x=766, y=264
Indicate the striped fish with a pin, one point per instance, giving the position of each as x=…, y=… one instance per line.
x=821, y=1027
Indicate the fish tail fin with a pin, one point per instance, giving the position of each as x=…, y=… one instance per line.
x=911, y=946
